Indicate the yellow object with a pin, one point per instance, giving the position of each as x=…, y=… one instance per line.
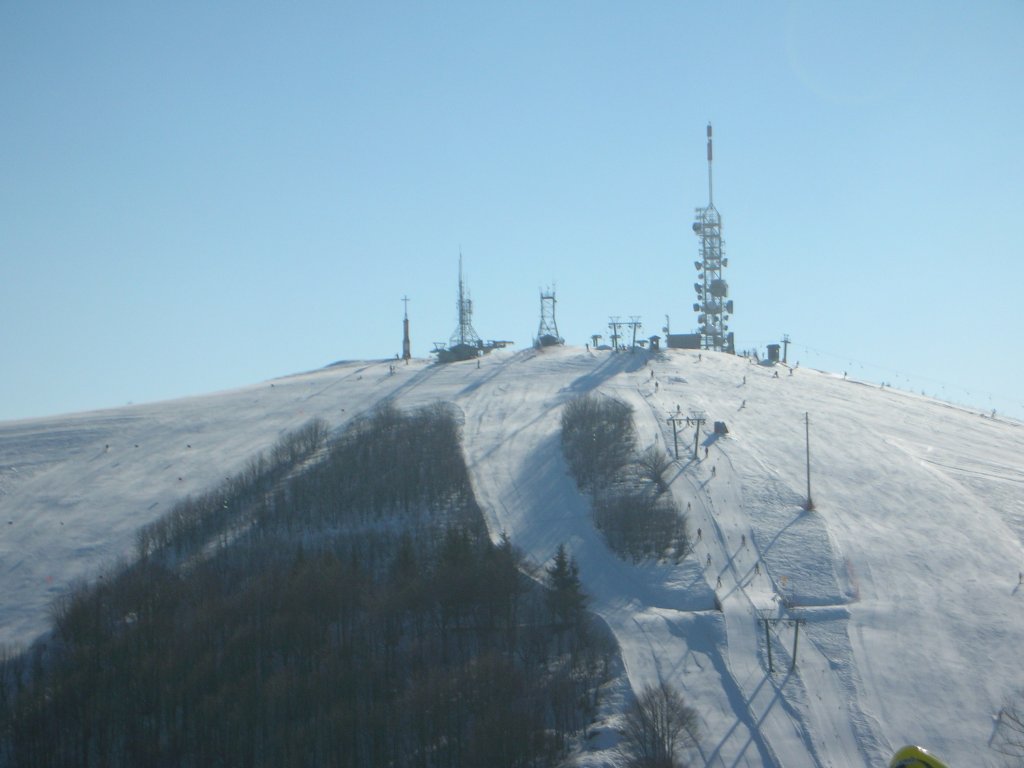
x=915, y=757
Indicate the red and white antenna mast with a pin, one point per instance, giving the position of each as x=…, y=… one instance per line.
x=713, y=305
x=711, y=200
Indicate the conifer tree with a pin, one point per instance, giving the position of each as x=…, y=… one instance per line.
x=566, y=599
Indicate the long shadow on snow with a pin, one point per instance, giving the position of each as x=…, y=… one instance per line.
x=493, y=371
x=617, y=362
x=707, y=636
x=560, y=513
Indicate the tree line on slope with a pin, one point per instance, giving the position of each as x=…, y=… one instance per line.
x=639, y=519
x=632, y=506
x=348, y=611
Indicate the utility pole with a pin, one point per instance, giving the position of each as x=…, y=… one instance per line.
x=675, y=420
x=807, y=431
x=785, y=347
x=697, y=418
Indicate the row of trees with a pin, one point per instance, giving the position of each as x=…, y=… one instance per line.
x=192, y=522
x=632, y=505
x=636, y=513
x=353, y=613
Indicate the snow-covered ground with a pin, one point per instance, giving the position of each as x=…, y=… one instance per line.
x=900, y=590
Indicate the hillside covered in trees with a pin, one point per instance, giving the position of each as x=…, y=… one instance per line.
x=338, y=602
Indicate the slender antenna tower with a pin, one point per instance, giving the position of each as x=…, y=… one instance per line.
x=464, y=335
x=406, y=346
x=711, y=197
x=713, y=306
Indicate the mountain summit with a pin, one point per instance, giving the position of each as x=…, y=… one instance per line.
x=899, y=592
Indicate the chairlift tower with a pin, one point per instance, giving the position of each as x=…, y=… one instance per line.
x=613, y=325
x=636, y=325
x=713, y=306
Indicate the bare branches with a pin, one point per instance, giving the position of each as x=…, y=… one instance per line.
x=1009, y=735
x=659, y=724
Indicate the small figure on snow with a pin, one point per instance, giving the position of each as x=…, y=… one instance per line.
x=709, y=559
x=700, y=534
x=757, y=568
x=743, y=540
x=718, y=584
x=705, y=451
x=714, y=470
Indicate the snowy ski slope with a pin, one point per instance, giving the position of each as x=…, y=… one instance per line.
x=904, y=577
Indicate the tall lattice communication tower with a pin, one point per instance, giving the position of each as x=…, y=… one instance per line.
x=713, y=306
x=464, y=337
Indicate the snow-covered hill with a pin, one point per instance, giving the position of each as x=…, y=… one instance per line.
x=905, y=577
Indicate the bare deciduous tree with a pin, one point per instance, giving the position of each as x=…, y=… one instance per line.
x=658, y=725
x=653, y=464
x=1009, y=736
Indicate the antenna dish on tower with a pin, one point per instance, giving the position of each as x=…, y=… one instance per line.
x=464, y=343
x=712, y=288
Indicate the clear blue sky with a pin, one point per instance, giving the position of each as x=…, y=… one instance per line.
x=197, y=196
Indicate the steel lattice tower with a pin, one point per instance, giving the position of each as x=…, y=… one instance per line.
x=464, y=335
x=547, y=334
x=713, y=305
